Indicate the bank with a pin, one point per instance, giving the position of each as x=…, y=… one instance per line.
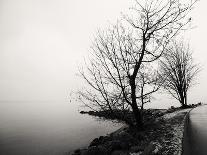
x=162, y=135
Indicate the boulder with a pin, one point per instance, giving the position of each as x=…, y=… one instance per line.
x=136, y=149
x=120, y=152
x=116, y=145
x=106, y=139
x=152, y=149
x=95, y=142
x=123, y=136
x=79, y=151
x=113, y=145
x=139, y=136
x=83, y=112
x=95, y=150
x=101, y=140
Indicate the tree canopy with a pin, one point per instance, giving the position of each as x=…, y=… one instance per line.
x=117, y=71
x=178, y=70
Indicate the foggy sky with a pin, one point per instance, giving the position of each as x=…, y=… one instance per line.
x=43, y=41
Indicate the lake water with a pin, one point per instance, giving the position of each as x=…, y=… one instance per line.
x=41, y=128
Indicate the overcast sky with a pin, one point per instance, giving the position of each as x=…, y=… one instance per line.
x=43, y=41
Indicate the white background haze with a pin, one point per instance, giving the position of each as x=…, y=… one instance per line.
x=43, y=41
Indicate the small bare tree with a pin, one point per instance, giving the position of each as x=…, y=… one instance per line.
x=178, y=71
x=120, y=53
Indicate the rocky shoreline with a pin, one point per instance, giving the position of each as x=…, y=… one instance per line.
x=162, y=135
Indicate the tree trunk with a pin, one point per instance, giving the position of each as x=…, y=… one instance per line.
x=185, y=96
x=182, y=99
x=142, y=97
x=135, y=109
x=137, y=115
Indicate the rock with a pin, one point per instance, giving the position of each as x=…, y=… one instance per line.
x=101, y=140
x=79, y=151
x=169, y=135
x=120, y=152
x=95, y=150
x=95, y=142
x=123, y=136
x=172, y=107
x=116, y=145
x=138, y=153
x=136, y=149
x=91, y=112
x=139, y=136
x=83, y=112
x=106, y=139
x=152, y=149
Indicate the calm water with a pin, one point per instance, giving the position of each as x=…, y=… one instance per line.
x=36, y=128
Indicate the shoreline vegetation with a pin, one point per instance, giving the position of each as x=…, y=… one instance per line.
x=162, y=134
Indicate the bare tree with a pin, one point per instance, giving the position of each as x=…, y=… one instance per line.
x=178, y=71
x=120, y=53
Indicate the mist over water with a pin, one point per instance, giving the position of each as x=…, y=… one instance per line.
x=42, y=43
x=47, y=128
